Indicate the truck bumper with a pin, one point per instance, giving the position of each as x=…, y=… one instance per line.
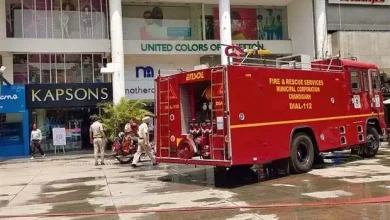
x=194, y=161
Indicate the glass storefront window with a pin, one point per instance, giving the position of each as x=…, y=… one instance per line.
x=73, y=68
x=34, y=69
x=96, y=66
x=46, y=68
x=60, y=65
x=87, y=68
x=57, y=19
x=76, y=122
x=57, y=68
x=20, y=69
x=249, y=23
x=162, y=22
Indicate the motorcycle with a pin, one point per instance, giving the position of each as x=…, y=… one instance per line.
x=124, y=147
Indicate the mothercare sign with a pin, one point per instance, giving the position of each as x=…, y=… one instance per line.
x=12, y=99
x=202, y=47
x=68, y=95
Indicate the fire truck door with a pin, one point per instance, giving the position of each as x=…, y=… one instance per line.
x=356, y=91
x=374, y=89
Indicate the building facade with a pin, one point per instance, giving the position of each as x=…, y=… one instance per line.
x=360, y=29
x=61, y=44
x=173, y=36
x=65, y=43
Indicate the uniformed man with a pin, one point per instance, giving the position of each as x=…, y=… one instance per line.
x=143, y=143
x=98, y=139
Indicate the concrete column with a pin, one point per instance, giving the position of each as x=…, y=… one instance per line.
x=225, y=29
x=118, y=79
x=320, y=28
x=8, y=63
x=3, y=26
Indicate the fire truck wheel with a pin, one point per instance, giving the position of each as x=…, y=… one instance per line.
x=371, y=147
x=301, y=153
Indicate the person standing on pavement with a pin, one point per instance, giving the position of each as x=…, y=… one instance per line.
x=98, y=139
x=36, y=138
x=143, y=143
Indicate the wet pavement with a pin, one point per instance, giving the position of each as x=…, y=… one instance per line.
x=71, y=187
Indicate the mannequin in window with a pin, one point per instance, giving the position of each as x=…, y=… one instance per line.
x=68, y=3
x=87, y=21
x=64, y=20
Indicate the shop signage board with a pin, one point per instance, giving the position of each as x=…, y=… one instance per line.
x=67, y=95
x=202, y=47
x=12, y=99
x=59, y=137
x=361, y=2
x=139, y=89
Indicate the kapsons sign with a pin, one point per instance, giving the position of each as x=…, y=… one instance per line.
x=361, y=2
x=202, y=47
x=68, y=95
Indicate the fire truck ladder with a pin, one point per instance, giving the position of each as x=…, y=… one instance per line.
x=214, y=110
x=164, y=113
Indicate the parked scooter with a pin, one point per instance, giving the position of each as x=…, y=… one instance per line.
x=124, y=147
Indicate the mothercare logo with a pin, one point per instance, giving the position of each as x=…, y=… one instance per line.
x=144, y=72
x=9, y=97
x=192, y=47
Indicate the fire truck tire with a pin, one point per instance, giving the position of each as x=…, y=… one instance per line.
x=371, y=147
x=301, y=153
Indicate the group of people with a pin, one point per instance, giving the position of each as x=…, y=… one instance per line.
x=98, y=139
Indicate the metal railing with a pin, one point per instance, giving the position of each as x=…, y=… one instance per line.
x=286, y=64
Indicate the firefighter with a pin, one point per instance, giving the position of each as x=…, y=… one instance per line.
x=143, y=143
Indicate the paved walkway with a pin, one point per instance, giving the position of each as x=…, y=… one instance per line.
x=72, y=184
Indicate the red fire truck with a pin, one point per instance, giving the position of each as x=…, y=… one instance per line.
x=255, y=111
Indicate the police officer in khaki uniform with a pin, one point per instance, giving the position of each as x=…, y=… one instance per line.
x=143, y=143
x=98, y=139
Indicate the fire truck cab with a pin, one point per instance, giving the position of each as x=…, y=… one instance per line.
x=255, y=111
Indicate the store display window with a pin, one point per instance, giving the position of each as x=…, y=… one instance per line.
x=162, y=21
x=76, y=122
x=248, y=23
x=85, y=19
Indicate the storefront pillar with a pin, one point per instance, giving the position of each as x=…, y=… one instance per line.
x=320, y=28
x=225, y=32
x=118, y=79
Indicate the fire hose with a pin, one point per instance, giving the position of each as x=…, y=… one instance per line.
x=385, y=199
